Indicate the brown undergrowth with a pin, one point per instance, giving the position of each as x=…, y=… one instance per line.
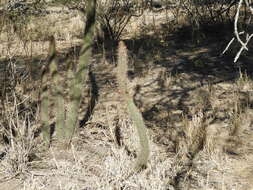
x=196, y=105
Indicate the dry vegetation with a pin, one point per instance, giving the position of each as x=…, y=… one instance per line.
x=197, y=105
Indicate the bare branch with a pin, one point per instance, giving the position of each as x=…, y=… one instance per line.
x=237, y=34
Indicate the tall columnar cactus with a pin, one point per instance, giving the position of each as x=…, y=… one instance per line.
x=45, y=95
x=57, y=97
x=65, y=126
x=134, y=112
x=77, y=82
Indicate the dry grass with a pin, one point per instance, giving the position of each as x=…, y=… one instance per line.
x=18, y=127
x=200, y=130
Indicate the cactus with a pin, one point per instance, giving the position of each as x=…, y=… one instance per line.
x=44, y=94
x=76, y=87
x=134, y=112
x=51, y=94
x=57, y=94
x=65, y=127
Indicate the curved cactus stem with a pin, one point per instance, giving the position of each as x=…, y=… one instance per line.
x=66, y=128
x=133, y=111
x=76, y=84
x=137, y=119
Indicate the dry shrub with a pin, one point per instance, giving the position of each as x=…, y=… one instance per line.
x=19, y=133
x=202, y=12
x=17, y=122
x=244, y=82
x=195, y=133
x=114, y=15
x=202, y=18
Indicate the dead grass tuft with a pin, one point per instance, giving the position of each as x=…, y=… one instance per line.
x=19, y=130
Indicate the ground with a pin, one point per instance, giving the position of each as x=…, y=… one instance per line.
x=197, y=106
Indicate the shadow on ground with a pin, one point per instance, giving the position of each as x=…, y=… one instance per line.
x=174, y=74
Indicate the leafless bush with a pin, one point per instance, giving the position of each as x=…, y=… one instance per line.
x=203, y=12
x=114, y=15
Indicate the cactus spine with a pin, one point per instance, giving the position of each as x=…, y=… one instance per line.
x=65, y=127
x=134, y=112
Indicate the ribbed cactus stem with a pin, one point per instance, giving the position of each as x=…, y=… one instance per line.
x=44, y=116
x=76, y=85
x=57, y=94
x=134, y=112
x=45, y=95
x=122, y=68
x=137, y=119
x=66, y=127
